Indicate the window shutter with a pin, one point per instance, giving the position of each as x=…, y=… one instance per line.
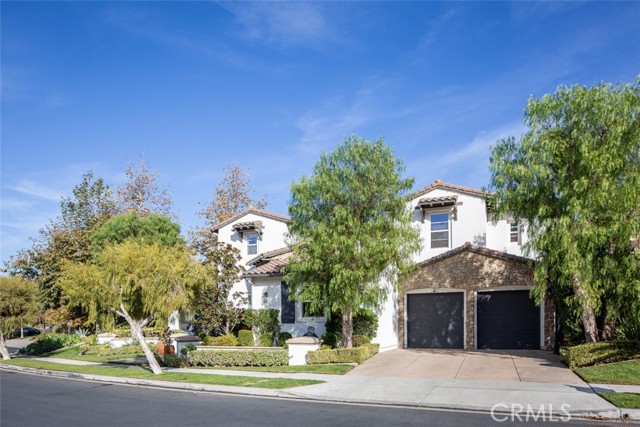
x=288, y=308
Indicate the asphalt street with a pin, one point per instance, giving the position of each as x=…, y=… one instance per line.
x=33, y=401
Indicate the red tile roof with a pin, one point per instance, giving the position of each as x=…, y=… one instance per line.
x=476, y=249
x=269, y=263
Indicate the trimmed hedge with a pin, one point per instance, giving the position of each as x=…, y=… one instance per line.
x=599, y=352
x=360, y=340
x=47, y=343
x=277, y=357
x=107, y=350
x=222, y=341
x=343, y=355
x=125, y=332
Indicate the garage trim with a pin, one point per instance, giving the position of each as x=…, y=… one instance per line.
x=438, y=291
x=505, y=288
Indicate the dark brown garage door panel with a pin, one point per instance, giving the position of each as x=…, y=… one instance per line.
x=435, y=320
x=507, y=320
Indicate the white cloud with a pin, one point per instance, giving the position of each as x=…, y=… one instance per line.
x=34, y=189
x=288, y=23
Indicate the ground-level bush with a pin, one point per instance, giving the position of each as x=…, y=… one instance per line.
x=224, y=341
x=245, y=338
x=172, y=361
x=48, y=343
x=599, y=352
x=107, y=350
x=240, y=357
x=283, y=337
x=360, y=340
x=343, y=355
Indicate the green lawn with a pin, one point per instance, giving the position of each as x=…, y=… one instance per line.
x=337, y=369
x=623, y=400
x=612, y=373
x=137, y=372
x=74, y=354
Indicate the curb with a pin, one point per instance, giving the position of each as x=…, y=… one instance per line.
x=618, y=414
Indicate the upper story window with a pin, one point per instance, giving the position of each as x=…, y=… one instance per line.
x=514, y=232
x=439, y=230
x=252, y=243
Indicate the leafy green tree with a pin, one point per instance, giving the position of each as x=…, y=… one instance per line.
x=18, y=305
x=574, y=176
x=352, y=230
x=139, y=282
x=149, y=229
x=68, y=237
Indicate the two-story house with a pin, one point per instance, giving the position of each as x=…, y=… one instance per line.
x=470, y=288
x=260, y=236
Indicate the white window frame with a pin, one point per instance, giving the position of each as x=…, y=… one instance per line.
x=247, y=236
x=517, y=232
x=448, y=213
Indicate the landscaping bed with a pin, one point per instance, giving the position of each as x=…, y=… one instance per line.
x=139, y=373
x=76, y=353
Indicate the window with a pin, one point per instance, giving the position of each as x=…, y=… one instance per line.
x=439, y=230
x=514, y=232
x=252, y=244
x=308, y=312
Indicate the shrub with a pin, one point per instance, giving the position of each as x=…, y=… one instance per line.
x=240, y=357
x=599, y=352
x=245, y=338
x=225, y=341
x=263, y=321
x=266, y=340
x=48, y=343
x=283, y=337
x=360, y=340
x=364, y=323
x=343, y=355
x=107, y=350
x=187, y=349
x=125, y=332
x=173, y=361
x=330, y=339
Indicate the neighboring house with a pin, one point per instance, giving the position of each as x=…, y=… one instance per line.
x=470, y=289
x=260, y=236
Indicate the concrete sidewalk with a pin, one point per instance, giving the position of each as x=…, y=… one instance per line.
x=500, y=396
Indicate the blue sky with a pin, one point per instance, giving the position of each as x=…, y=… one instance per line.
x=192, y=86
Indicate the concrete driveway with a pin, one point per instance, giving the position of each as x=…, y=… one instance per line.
x=483, y=365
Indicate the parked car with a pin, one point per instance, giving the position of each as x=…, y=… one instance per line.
x=27, y=331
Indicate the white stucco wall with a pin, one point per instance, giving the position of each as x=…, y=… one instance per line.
x=387, y=334
x=273, y=237
x=271, y=287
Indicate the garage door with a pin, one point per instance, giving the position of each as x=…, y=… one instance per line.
x=507, y=320
x=435, y=320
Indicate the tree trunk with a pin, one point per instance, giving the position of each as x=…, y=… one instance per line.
x=347, y=328
x=136, y=333
x=587, y=314
x=3, y=347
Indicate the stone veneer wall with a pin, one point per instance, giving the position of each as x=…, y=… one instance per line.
x=472, y=271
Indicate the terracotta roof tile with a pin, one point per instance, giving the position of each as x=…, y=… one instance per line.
x=476, y=249
x=270, y=266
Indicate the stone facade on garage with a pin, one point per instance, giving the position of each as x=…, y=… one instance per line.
x=472, y=268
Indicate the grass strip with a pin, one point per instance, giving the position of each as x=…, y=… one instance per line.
x=139, y=373
x=337, y=369
x=612, y=373
x=73, y=353
x=623, y=400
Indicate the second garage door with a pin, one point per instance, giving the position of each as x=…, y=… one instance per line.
x=507, y=320
x=435, y=320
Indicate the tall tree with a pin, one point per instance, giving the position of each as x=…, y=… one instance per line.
x=574, y=177
x=142, y=192
x=18, y=305
x=140, y=282
x=65, y=238
x=353, y=230
x=215, y=310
